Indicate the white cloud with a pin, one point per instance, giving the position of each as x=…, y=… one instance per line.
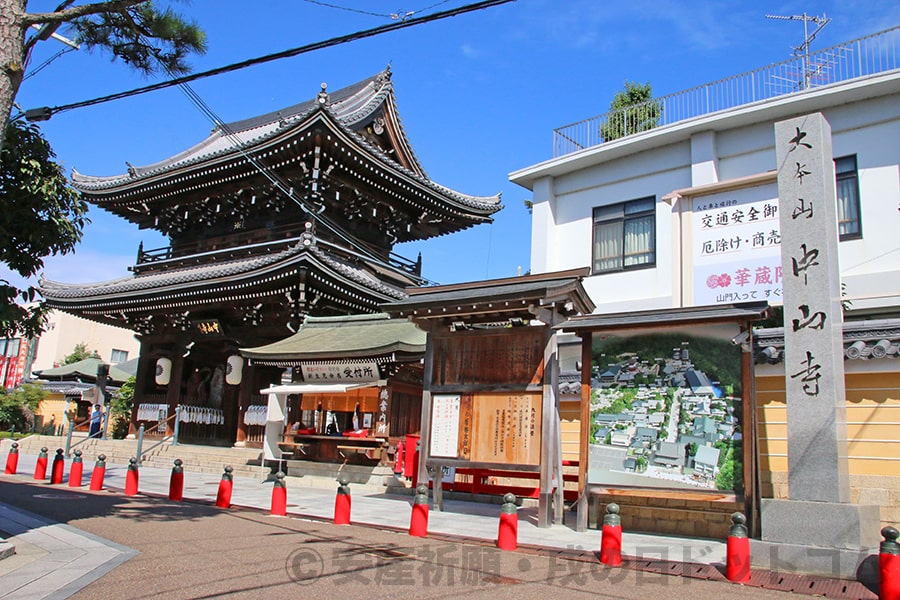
x=469, y=51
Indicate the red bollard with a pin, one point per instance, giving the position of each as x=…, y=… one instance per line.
x=76, y=470
x=279, y=496
x=40, y=468
x=12, y=459
x=98, y=473
x=342, y=504
x=176, y=482
x=611, y=537
x=132, y=478
x=398, y=458
x=889, y=565
x=418, y=522
x=737, y=553
x=508, y=534
x=223, y=497
x=59, y=467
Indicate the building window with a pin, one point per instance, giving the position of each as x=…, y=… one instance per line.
x=625, y=235
x=849, y=222
x=118, y=356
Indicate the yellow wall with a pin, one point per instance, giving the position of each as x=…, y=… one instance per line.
x=873, y=434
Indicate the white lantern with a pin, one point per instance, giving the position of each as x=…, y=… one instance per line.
x=233, y=370
x=163, y=371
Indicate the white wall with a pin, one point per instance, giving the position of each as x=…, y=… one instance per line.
x=65, y=331
x=865, y=120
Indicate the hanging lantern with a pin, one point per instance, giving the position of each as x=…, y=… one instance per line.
x=163, y=371
x=233, y=369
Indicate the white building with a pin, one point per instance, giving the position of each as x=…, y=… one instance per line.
x=64, y=331
x=655, y=213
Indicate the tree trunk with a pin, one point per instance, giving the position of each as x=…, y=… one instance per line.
x=12, y=51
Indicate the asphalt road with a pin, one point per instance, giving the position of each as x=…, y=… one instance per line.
x=192, y=550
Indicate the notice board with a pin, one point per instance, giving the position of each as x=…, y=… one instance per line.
x=489, y=427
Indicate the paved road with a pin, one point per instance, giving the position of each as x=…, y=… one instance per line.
x=194, y=550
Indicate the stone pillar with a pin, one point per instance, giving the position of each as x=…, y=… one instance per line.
x=816, y=529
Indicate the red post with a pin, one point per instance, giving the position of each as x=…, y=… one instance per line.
x=132, y=478
x=342, y=504
x=279, y=496
x=737, y=553
x=12, y=459
x=40, y=468
x=76, y=470
x=59, y=467
x=889, y=565
x=176, y=482
x=611, y=537
x=98, y=473
x=418, y=521
x=398, y=458
x=508, y=534
x=223, y=497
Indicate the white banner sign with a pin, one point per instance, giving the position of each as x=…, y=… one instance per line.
x=445, y=425
x=340, y=372
x=737, y=247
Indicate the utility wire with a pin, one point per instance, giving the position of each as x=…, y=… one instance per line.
x=46, y=113
x=401, y=15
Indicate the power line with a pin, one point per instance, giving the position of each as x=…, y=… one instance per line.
x=42, y=114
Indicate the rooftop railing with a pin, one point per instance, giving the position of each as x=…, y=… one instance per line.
x=870, y=55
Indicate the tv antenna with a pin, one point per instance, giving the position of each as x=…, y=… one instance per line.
x=803, y=49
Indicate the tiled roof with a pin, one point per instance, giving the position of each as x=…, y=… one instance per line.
x=863, y=340
x=231, y=270
x=344, y=337
x=348, y=104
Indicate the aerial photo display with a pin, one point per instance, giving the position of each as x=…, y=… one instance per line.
x=666, y=411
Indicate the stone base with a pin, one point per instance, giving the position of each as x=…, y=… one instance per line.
x=813, y=560
x=821, y=538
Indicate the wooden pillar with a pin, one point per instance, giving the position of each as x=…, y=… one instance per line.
x=248, y=383
x=173, y=394
x=549, y=439
x=146, y=372
x=749, y=440
x=584, y=439
x=425, y=430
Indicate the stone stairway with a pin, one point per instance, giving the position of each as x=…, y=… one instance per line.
x=204, y=459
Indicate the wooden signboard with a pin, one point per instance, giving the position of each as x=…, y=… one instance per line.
x=503, y=357
x=494, y=428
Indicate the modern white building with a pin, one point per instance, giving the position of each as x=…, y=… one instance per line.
x=684, y=213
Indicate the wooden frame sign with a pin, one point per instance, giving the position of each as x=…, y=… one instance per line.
x=492, y=428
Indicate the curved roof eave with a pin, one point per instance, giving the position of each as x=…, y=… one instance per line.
x=266, y=131
x=350, y=104
x=232, y=273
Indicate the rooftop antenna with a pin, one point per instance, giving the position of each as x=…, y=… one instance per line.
x=803, y=49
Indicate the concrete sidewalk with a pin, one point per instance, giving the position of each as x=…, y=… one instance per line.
x=459, y=518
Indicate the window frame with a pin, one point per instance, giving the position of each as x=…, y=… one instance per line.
x=623, y=218
x=852, y=177
x=112, y=356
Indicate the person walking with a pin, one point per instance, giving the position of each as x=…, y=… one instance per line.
x=96, y=421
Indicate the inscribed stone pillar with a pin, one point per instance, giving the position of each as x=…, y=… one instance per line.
x=813, y=321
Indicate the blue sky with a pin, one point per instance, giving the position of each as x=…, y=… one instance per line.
x=479, y=94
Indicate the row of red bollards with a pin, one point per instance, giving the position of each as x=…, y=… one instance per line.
x=737, y=561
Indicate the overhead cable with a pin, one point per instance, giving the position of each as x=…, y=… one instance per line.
x=42, y=114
